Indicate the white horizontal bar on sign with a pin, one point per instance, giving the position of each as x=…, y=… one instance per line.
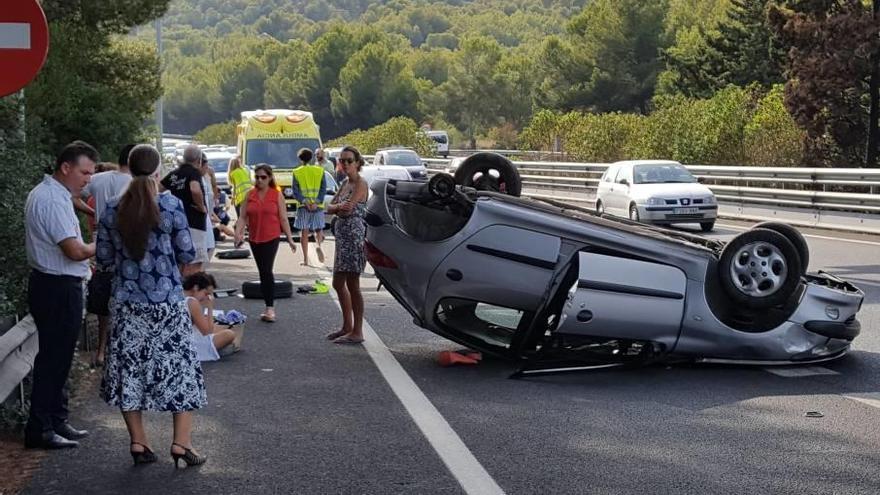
x=15, y=36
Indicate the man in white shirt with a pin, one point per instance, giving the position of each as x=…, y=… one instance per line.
x=59, y=261
x=105, y=187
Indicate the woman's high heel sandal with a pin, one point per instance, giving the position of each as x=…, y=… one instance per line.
x=188, y=456
x=144, y=457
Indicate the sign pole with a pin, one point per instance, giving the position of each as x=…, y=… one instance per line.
x=159, y=109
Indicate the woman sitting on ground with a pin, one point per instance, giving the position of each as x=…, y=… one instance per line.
x=199, y=289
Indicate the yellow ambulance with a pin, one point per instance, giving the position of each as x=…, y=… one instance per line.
x=275, y=137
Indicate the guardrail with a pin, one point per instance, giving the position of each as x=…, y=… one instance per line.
x=18, y=348
x=837, y=198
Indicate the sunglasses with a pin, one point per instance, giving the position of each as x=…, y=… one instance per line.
x=261, y=177
x=347, y=160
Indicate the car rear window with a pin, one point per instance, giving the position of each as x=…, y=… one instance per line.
x=404, y=158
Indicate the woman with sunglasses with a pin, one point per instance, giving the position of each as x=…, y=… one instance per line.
x=264, y=212
x=349, y=205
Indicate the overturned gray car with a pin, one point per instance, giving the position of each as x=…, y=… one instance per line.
x=556, y=286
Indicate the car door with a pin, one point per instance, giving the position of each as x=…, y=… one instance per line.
x=623, y=298
x=606, y=186
x=620, y=196
x=490, y=282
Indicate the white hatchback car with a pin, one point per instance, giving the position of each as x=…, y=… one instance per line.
x=656, y=191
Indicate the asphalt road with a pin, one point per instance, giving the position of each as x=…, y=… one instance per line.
x=293, y=413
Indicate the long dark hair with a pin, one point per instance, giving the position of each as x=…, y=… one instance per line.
x=138, y=211
x=265, y=167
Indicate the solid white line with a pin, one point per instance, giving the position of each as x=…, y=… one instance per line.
x=15, y=36
x=801, y=372
x=870, y=398
x=814, y=236
x=467, y=470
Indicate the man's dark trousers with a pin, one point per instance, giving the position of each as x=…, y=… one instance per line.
x=56, y=304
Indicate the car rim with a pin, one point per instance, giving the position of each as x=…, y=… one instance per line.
x=759, y=269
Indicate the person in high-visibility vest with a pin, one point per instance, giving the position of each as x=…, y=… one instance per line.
x=309, y=188
x=240, y=180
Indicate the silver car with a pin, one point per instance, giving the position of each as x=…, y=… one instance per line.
x=219, y=161
x=656, y=191
x=546, y=283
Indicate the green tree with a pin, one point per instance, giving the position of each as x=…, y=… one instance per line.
x=622, y=41
x=242, y=87
x=472, y=99
x=374, y=86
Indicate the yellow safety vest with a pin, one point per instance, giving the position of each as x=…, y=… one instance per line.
x=309, y=178
x=241, y=184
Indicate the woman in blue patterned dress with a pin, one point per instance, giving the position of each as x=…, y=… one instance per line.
x=349, y=205
x=151, y=363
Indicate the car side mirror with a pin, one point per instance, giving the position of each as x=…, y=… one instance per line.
x=701, y=180
x=625, y=182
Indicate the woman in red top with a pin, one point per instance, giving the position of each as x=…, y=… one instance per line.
x=264, y=212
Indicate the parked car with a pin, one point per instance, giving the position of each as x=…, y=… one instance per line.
x=546, y=283
x=404, y=157
x=656, y=191
x=219, y=161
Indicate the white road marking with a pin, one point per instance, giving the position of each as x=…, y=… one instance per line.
x=15, y=36
x=814, y=236
x=801, y=372
x=467, y=470
x=869, y=398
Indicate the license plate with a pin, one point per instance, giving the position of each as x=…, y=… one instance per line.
x=686, y=211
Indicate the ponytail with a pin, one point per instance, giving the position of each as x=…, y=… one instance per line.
x=137, y=215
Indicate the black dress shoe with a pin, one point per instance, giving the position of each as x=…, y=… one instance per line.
x=69, y=432
x=49, y=440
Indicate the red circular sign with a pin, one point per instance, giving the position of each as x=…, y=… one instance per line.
x=24, y=43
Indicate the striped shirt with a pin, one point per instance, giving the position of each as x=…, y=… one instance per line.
x=50, y=219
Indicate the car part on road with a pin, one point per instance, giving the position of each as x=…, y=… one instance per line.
x=793, y=235
x=489, y=172
x=233, y=254
x=760, y=268
x=252, y=290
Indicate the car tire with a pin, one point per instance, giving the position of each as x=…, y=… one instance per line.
x=634, y=212
x=441, y=186
x=793, y=235
x=482, y=163
x=759, y=269
x=707, y=226
x=600, y=208
x=233, y=254
x=252, y=290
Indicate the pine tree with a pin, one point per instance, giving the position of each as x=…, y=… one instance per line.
x=746, y=50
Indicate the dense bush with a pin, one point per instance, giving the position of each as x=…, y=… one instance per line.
x=735, y=127
x=222, y=133
x=21, y=167
x=399, y=131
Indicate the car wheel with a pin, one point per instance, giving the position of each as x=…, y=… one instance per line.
x=794, y=236
x=475, y=171
x=634, y=212
x=441, y=186
x=760, y=269
x=251, y=289
x=707, y=226
x=233, y=254
x=600, y=208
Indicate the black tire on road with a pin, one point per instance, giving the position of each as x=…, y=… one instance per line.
x=251, y=289
x=776, y=255
x=600, y=208
x=707, y=226
x=479, y=164
x=793, y=235
x=233, y=254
